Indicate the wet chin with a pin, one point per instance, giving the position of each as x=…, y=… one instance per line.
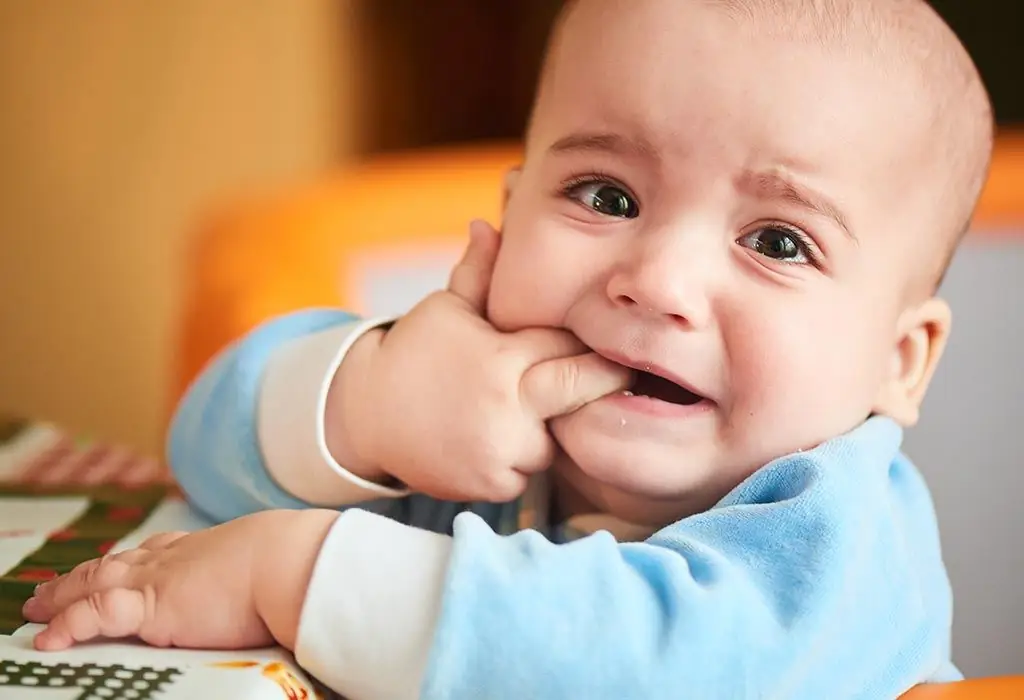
x=636, y=468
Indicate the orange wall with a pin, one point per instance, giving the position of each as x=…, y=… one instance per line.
x=119, y=121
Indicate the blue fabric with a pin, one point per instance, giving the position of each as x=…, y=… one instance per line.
x=819, y=577
x=212, y=446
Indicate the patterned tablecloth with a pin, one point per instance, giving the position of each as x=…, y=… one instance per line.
x=63, y=501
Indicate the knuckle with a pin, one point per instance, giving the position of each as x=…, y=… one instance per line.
x=568, y=378
x=89, y=571
x=112, y=609
x=99, y=604
x=107, y=572
x=156, y=634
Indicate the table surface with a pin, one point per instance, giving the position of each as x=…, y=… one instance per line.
x=65, y=500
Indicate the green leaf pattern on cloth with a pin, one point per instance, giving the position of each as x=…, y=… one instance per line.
x=111, y=515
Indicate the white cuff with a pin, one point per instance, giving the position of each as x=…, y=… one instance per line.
x=368, y=621
x=291, y=412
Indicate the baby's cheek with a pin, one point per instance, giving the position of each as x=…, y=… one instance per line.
x=526, y=291
x=797, y=383
x=511, y=304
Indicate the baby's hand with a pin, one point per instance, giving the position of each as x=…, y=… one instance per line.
x=235, y=586
x=457, y=410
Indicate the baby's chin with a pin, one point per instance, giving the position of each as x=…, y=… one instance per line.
x=640, y=481
x=648, y=511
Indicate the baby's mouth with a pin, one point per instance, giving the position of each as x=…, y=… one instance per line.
x=655, y=387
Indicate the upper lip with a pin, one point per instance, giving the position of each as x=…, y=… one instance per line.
x=650, y=368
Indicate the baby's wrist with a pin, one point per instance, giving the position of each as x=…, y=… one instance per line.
x=282, y=567
x=346, y=431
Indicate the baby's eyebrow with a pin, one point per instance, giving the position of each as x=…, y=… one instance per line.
x=773, y=184
x=764, y=184
x=605, y=142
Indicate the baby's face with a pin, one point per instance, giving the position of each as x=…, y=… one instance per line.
x=733, y=212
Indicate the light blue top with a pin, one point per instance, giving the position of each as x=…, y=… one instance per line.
x=819, y=577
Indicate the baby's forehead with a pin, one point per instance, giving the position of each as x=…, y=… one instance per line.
x=677, y=73
x=909, y=31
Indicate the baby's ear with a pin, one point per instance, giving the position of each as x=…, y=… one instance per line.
x=923, y=331
x=511, y=178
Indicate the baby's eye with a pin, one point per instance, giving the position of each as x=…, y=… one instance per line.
x=605, y=198
x=779, y=243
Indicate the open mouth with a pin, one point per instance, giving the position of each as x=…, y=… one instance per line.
x=655, y=387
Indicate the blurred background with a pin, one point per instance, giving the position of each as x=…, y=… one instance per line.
x=130, y=131
x=123, y=124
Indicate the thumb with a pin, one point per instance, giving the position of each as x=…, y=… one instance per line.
x=470, y=279
x=561, y=386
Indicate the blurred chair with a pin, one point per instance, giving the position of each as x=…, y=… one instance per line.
x=372, y=239
x=378, y=237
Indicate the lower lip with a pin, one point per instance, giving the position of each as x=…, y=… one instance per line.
x=656, y=407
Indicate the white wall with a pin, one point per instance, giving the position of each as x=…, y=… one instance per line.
x=970, y=447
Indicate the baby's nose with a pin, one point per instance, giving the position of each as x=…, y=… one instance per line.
x=660, y=284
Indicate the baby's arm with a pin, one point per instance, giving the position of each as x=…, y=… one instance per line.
x=819, y=577
x=445, y=404
x=249, y=433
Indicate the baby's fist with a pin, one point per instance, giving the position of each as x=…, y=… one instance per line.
x=456, y=409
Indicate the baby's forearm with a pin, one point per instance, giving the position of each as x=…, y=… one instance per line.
x=283, y=566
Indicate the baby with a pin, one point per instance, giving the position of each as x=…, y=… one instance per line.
x=647, y=443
